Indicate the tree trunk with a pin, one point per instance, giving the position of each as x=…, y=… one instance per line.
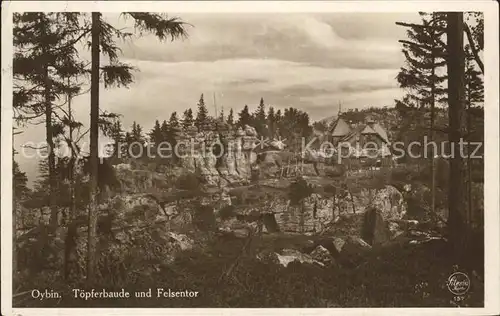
x=14, y=227
x=433, y=103
x=72, y=208
x=48, y=132
x=469, y=160
x=70, y=241
x=94, y=154
x=458, y=229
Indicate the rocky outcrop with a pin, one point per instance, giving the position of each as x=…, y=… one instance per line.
x=318, y=212
x=221, y=156
x=134, y=229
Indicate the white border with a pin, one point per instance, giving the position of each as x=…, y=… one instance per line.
x=492, y=218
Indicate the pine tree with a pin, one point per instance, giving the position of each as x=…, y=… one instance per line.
x=244, y=117
x=271, y=121
x=424, y=52
x=222, y=118
x=19, y=181
x=259, y=118
x=128, y=139
x=294, y=125
x=117, y=133
x=54, y=36
x=260, y=114
x=119, y=74
x=278, y=118
x=136, y=140
x=165, y=130
x=230, y=117
x=187, y=119
x=155, y=135
x=173, y=122
x=202, y=115
x=43, y=58
x=474, y=85
x=19, y=193
x=136, y=133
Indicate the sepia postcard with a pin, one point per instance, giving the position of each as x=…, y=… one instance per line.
x=250, y=157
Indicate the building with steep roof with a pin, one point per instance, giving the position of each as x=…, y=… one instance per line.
x=340, y=128
x=368, y=139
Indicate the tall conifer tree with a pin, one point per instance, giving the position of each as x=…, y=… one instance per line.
x=201, y=115
x=230, y=117
x=187, y=119
x=425, y=51
x=244, y=117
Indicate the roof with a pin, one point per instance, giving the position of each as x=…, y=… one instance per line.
x=380, y=131
x=367, y=129
x=340, y=128
x=354, y=132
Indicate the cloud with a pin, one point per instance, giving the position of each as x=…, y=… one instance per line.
x=162, y=88
x=305, y=38
x=308, y=61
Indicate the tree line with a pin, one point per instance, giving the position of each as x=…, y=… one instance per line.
x=290, y=124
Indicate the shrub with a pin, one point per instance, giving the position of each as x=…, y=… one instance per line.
x=227, y=212
x=189, y=181
x=204, y=218
x=299, y=190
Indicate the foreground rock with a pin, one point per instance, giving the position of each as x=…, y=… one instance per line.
x=291, y=255
x=286, y=257
x=321, y=254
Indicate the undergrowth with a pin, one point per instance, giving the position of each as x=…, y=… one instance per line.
x=396, y=276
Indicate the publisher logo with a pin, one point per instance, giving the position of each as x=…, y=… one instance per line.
x=458, y=283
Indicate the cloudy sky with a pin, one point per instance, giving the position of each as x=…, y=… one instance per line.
x=308, y=61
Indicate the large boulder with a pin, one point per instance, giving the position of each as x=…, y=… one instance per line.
x=353, y=250
x=182, y=241
x=290, y=255
x=375, y=230
x=321, y=254
x=388, y=200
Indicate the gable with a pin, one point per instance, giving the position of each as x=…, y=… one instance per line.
x=381, y=132
x=341, y=128
x=368, y=130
